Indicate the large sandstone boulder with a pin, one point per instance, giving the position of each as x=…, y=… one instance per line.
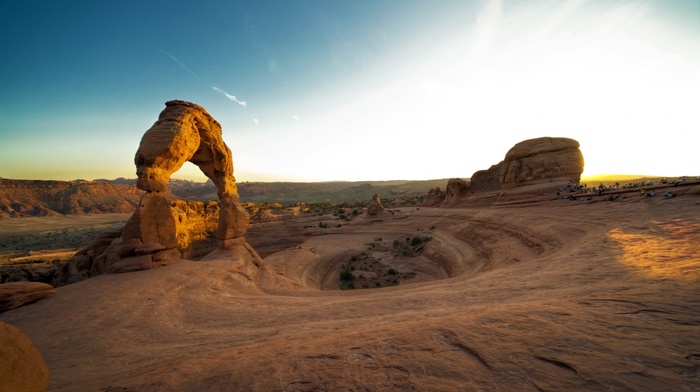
x=16, y=294
x=531, y=162
x=435, y=197
x=456, y=188
x=375, y=206
x=546, y=159
x=22, y=369
x=534, y=161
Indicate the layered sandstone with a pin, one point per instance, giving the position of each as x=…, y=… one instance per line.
x=23, y=198
x=530, y=162
x=545, y=159
x=184, y=132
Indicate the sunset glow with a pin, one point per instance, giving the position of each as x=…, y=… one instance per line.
x=665, y=250
x=354, y=91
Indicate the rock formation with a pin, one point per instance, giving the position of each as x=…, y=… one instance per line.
x=530, y=162
x=375, y=206
x=22, y=369
x=545, y=159
x=534, y=161
x=184, y=132
x=435, y=197
x=195, y=224
x=456, y=187
x=21, y=198
x=16, y=294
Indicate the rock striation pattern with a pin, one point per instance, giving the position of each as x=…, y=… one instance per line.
x=184, y=132
x=375, y=206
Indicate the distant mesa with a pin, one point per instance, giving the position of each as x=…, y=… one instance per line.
x=531, y=162
x=375, y=206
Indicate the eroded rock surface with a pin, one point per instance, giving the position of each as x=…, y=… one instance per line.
x=184, y=132
x=22, y=369
x=16, y=294
x=456, y=188
x=435, y=197
x=541, y=160
x=375, y=206
x=530, y=162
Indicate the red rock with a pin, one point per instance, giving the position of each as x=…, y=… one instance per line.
x=375, y=206
x=22, y=369
x=16, y=294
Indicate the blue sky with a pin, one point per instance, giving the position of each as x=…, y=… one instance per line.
x=351, y=90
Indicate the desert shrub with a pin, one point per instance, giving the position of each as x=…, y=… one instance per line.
x=391, y=271
x=346, y=275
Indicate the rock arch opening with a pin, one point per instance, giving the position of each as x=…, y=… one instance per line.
x=184, y=132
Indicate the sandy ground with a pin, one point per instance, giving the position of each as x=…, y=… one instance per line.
x=19, y=236
x=563, y=295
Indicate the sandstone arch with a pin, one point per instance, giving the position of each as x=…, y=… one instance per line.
x=184, y=132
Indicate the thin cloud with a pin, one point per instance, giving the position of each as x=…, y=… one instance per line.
x=231, y=97
x=486, y=28
x=295, y=117
x=256, y=121
x=177, y=61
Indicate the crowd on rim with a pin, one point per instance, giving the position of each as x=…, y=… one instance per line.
x=601, y=189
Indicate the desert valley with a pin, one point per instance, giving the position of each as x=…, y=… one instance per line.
x=519, y=278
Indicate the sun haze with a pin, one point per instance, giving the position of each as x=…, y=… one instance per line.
x=352, y=90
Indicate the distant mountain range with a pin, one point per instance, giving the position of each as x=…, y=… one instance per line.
x=20, y=198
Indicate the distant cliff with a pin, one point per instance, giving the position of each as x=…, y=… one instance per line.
x=20, y=198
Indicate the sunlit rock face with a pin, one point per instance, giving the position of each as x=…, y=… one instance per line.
x=545, y=159
x=184, y=132
x=530, y=162
x=21, y=366
x=534, y=161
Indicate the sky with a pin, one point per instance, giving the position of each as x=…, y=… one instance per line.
x=354, y=90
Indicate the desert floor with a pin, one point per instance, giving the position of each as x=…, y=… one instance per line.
x=551, y=296
x=50, y=233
